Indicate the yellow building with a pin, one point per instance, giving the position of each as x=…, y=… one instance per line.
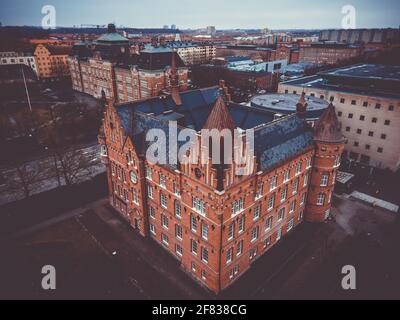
x=52, y=61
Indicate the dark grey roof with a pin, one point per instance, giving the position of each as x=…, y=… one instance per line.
x=364, y=79
x=275, y=141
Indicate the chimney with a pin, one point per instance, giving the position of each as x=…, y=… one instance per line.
x=154, y=42
x=163, y=42
x=301, y=106
x=225, y=91
x=174, y=79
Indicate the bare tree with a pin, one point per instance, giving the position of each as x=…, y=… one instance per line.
x=27, y=176
x=75, y=165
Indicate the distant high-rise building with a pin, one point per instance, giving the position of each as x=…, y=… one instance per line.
x=211, y=30
x=173, y=27
x=165, y=27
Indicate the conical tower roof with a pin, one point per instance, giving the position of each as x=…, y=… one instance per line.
x=328, y=128
x=220, y=118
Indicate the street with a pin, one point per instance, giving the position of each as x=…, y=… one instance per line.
x=99, y=256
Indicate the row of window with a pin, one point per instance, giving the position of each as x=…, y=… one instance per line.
x=368, y=147
x=238, y=205
x=256, y=216
x=253, y=252
x=370, y=133
x=353, y=102
x=362, y=118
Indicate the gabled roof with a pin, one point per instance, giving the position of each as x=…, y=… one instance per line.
x=327, y=128
x=275, y=141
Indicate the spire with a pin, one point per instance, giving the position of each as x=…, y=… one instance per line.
x=219, y=117
x=301, y=106
x=327, y=128
x=224, y=90
x=174, y=80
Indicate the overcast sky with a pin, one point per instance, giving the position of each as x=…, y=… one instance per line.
x=224, y=14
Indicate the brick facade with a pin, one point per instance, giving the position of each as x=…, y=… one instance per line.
x=216, y=233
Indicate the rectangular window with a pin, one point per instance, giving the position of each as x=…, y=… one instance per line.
x=203, y=275
x=279, y=234
x=273, y=183
x=254, y=234
x=198, y=205
x=320, y=199
x=241, y=224
x=292, y=206
x=290, y=225
x=298, y=168
x=237, y=206
x=306, y=177
x=178, y=210
x=281, y=214
x=165, y=239
x=309, y=160
x=163, y=200
x=259, y=192
x=271, y=202
x=164, y=221
x=153, y=229
x=149, y=173
x=204, y=231
x=176, y=189
x=229, y=255
x=324, y=180
x=178, y=250
x=286, y=176
x=204, y=255
x=150, y=192
x=152, y=212
x=163, y=181
x=193, y=223
x=135, y=197
x=295, y=186
x=178, y=231
x=231, y=231
x=257, y=211
x=193, y=247
x=284, y=193
x=268, y=224
x=239, y=249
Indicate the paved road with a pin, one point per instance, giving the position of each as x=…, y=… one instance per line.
x=305, y=265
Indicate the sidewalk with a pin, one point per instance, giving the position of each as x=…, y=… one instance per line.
x=150, y=252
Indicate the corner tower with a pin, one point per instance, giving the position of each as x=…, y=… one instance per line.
x=329, y=146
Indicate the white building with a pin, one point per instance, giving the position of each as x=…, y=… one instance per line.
x=11, y=57
x=367, y=101
x=277, y=66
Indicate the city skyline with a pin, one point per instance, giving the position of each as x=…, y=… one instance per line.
x=193, y=15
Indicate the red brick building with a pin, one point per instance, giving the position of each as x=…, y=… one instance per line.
x=106, y=68
x=214, y=221
x=329, y=53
